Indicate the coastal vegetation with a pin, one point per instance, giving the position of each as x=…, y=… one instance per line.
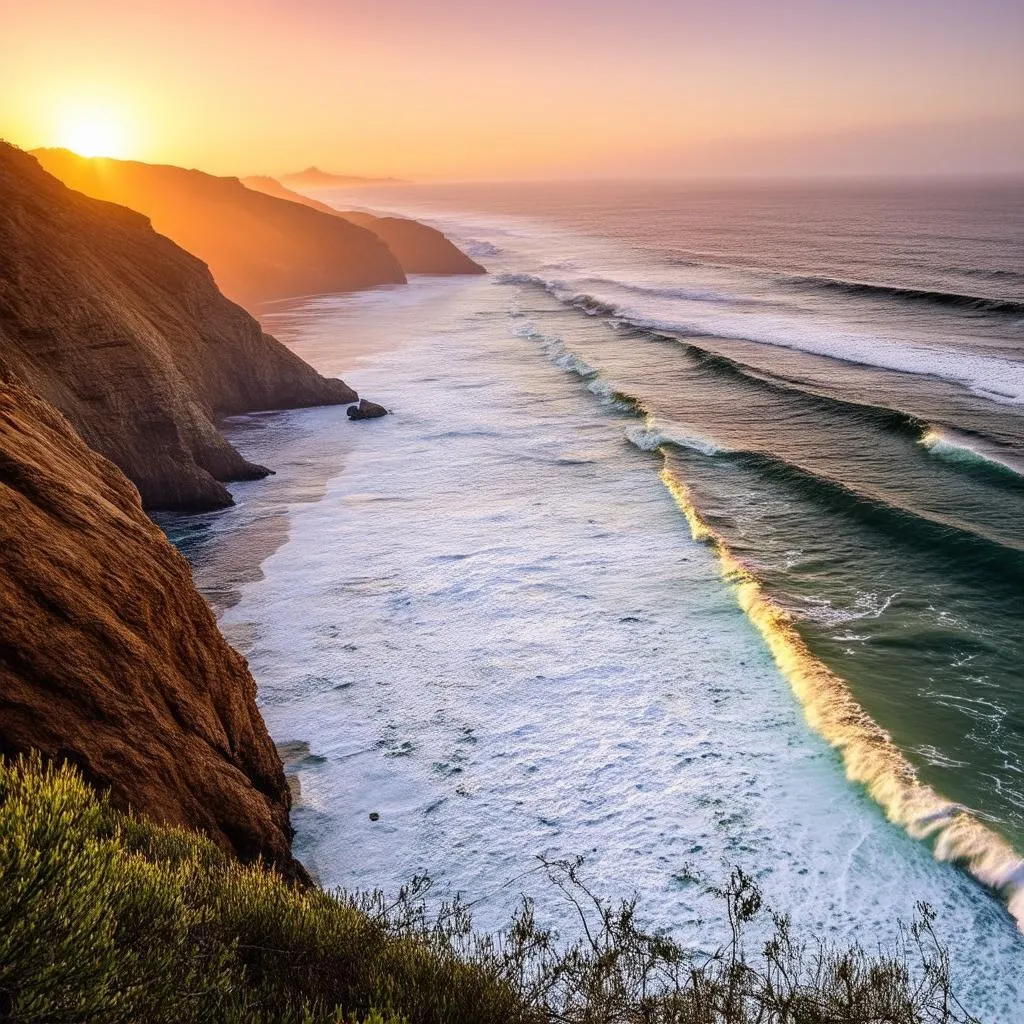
x=108, y=917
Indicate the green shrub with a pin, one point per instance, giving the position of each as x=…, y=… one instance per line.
x=108, y=918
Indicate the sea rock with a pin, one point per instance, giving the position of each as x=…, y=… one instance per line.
x=258, y=247
x=366, y=410
x=109, y=657
x=420, y=249
x=128, y=336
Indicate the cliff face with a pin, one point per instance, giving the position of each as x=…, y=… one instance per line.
x=258, y=247
x=128, y=336
x=109, y=657
x=420, y=249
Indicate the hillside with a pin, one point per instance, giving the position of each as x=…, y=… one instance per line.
x=128, y=336
x=419, y=248
x=259, y=248
x=109, y=657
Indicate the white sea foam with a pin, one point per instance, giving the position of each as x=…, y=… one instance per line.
x=507, y=645
x=650, y=437
x=604, y=287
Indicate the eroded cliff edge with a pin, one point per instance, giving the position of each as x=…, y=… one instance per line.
x=129, y=337
x=110, y=658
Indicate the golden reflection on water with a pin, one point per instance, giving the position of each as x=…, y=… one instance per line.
x=870, y=757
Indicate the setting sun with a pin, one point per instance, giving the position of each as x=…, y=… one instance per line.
x=93, y=134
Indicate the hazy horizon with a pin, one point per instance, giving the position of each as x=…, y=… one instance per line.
x=646, y=90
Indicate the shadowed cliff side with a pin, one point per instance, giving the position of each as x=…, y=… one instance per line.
x=419, y=248
x=258, y=247
x=110, y=658
x=128, y=336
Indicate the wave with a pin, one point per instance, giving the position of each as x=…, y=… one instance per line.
x=958, y=300
x=659, y=292
x=649, y=438
x=994, y=378
x=911, y=525
x=870, y=757
x=608, y=394
x=971, y=453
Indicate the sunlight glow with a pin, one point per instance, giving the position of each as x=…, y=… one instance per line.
x=93, y=133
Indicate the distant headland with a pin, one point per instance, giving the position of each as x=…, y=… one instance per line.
x=314, y=178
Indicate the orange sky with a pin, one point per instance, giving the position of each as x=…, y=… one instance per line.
x=531, y=89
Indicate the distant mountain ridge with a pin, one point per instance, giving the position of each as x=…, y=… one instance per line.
x=314, y=178
x=420, y=249
x=127, y=335
x=258, y=247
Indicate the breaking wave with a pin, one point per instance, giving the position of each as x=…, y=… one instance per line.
x=958, y=300
x=971, y=453
x=869, y=755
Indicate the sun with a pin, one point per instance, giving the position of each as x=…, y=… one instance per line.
x=93, y=133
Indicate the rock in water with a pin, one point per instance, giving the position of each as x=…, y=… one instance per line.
x=128, y=336
x=366, y=410
x=110, y=658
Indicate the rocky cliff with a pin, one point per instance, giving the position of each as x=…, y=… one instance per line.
x=420, y=249
x=258, y=247
x=109, y=657
x=128, y=336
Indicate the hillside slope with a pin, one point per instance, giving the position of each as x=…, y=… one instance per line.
x=129, y=337
x=419, y=248
x=258, y=247
x=110, y=658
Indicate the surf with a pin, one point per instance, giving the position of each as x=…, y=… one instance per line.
x=870, y=757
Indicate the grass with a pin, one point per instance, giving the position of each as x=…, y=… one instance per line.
x=108, y=918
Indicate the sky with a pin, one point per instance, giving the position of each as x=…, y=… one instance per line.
x=454, y=89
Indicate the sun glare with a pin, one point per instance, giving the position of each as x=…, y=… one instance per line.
x=93, y=134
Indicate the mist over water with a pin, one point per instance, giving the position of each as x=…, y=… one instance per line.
x=488, y=619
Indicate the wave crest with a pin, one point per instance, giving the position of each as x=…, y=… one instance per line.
x=869, y=755
x=958, y=300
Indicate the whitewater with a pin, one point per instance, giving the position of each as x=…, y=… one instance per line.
x=490, y=626
x=587, y=592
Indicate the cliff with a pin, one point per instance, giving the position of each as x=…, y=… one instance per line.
x=258, y=247
x=128, y=336
x=109, y=657
x=420, y=249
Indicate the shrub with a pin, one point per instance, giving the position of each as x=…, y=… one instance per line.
x=109, y=918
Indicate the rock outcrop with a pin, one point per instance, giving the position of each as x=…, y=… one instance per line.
x=128, y=336
x=110, y=658
x=420, y=249
x=258, y=247
x=366, y=410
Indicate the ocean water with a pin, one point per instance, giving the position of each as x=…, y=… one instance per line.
x=695, y=540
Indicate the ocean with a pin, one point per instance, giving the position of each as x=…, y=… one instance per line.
x=695, y=539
